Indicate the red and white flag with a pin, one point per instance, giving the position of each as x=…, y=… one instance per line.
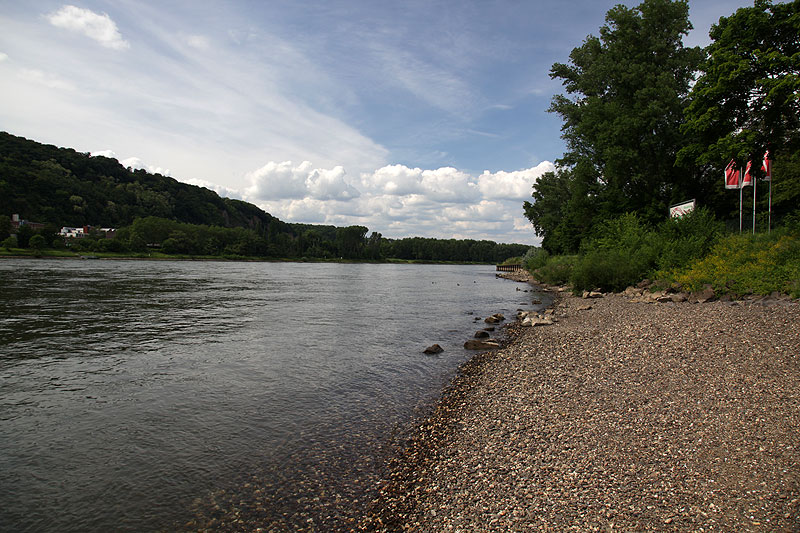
x=767, y=167
x=731, y=176
x=748, y=178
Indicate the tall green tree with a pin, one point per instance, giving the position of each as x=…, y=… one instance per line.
x=626, y=93
x=747, y=98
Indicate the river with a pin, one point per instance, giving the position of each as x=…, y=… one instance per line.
x=148, y=395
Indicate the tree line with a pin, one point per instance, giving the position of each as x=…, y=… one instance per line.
x=649, y=122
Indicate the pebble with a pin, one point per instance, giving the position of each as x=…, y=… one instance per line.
x=620, y=416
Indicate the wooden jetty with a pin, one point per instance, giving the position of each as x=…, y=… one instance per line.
x=509, y=268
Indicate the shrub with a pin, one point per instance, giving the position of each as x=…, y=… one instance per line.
x=686, y=239
x=745, y=264
x=622, y=252
x=37, y=242
x=557, y=270
x=534, y=258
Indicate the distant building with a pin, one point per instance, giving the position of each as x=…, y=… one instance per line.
x=72, y=233
x=17, y=223
x=79, y=233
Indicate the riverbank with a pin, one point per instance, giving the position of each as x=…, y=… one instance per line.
x=623, y=415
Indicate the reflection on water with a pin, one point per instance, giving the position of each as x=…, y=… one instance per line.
x=132, y=394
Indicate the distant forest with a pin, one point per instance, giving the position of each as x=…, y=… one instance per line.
x=62, y=187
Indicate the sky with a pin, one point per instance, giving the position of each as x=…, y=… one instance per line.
x=413, y=118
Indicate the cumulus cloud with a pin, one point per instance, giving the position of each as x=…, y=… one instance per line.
x=95, y=26
x=399, y=201
x=276, y=181
x=330, y=185
x=445, y=184
x=105, y=153
x=514, y=185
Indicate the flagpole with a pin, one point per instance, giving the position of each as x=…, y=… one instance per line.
x=769, y=224
x=740, y=204
x=754, y=203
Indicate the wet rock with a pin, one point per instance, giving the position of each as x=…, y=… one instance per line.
x=482, y=334
x=495, y=319
x=481, y=345
x=431, y=350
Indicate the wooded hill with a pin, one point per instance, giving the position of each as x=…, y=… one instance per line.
x=63, y=187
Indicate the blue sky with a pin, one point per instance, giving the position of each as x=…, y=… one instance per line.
x=411, y=118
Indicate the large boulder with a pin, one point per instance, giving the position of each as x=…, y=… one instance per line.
x=706, y=295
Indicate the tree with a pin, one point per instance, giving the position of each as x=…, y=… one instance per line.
x=5, y=226
x=37, y=242
x=747, y=98
x=351, y=241
x=24, y=234
x=621, y=122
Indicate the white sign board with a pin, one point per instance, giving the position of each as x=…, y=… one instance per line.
x=683, y=208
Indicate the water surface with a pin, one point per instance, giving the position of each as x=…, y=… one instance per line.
x=143, y=396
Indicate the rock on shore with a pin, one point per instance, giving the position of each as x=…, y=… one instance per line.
x=621, y=416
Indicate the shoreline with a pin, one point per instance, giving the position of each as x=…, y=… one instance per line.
x=621, y=415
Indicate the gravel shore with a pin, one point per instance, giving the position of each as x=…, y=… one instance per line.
x=620, y=416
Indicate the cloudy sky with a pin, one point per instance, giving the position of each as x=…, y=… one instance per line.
x=412, y=117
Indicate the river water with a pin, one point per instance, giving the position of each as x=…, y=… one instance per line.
x=147, y=396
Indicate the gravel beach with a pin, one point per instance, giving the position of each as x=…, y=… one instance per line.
x=621, y=415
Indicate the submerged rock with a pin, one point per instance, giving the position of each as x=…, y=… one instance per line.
x=482, y=334
x=431, y=350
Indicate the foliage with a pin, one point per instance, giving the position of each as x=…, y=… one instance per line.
x=622, y=252
x=746, y=99
x=557, y=270
x=628, y=91
x=535, y=258
x=67, y=188
x=686, y=239
x=9, y=243
x=37, y=242
x=561, y=211
x=745, y=264
x=5, y=226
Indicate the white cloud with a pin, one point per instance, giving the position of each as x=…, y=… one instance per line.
x=330, y=185
x=46, y=79
x=445, y=184
x=514, y=185
x=3, y=57
x=399, y=201
x=98, y=27
x=105, y=153
x=276, y=181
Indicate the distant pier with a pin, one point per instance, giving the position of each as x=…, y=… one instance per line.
x=509, y=268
